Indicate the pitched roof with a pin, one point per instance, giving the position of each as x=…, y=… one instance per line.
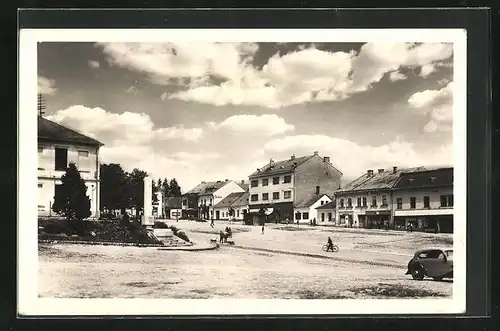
x=173, y=202
x=280, y=167
x=51, y=131
x=377, y=181
x=207, y=187
x=244, y=186
x=230, y=199
x=426, y=179
x=329, y=205
x=242, y=200
x=309, y=201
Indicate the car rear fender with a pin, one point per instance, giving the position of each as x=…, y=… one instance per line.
x=413, y=264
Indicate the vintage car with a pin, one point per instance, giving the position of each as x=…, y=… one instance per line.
x=431, y=262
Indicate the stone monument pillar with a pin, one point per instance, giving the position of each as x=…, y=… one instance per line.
x=147, y=218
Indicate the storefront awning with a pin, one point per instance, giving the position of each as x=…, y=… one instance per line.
x=379, y=212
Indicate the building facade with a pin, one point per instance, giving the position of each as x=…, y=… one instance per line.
x=237, y=202
x=306, y=211
x=281, y=186
x=326, y=212
x=59, y=146
x=367, y=201
x=424, y=200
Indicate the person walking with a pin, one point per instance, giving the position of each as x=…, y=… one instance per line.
x=262, y=228
x=212, y=221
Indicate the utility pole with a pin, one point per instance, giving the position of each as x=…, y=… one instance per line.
x=41, y=105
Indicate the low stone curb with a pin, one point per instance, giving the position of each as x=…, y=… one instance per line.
x=374, y=263
x=103, y=243
x=189, y=248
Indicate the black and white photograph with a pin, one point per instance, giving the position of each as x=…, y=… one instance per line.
x=242, y=172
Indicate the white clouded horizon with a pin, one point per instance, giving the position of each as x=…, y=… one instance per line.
x=46, y=86
x=305, y=75
x=268, y=124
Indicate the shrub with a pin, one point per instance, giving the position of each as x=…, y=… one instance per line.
x=160, y=225
x=179, y=233
x=56, y=226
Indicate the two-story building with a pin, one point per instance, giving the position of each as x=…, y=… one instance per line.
x=208, y=194
x=367, y=201
x=237, y=201
x=280, y=186
x=57, y=147
x=424, y=199
x=326, y=212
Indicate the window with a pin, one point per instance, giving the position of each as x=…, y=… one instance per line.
x=426, y=202
x=254, y=197
x=317, y=190
x=349, y=203
x=265, y=196
x=374, y=201
x=210, y=202
x=276, y=195
x=305, y=215
x=287, y=179
x=399, y=203
x=384, y=200
x=61, y=159
x=413, y=202
x=276, y=180
x=364, y=201
x=447, y=201
x=83, y=161
x=359, y=202
x=237, y=213
x=40, y=185
x=40, y=149
x=254, y=183
x=297, y=215
x=287, y=194
x=341, y=203
x=184, y=202
x=265, y=182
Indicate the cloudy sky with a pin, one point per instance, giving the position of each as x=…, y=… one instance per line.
x=220, y=110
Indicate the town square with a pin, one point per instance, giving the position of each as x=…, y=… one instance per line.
x=246, y=170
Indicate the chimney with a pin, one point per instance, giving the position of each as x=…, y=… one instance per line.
x=292, y=157
x=225, y=180
x=380, y=171
x=394, y=170
x=326, y=159
x=242, y=181
x=369, y=172
x=316, y=153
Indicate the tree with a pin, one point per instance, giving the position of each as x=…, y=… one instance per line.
x=135, y=189
x=113, y=181
x=71, y=198
x=154, y=188
x=165, y=188
x=175, y=189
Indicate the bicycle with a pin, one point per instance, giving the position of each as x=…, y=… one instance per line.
x=335, y=248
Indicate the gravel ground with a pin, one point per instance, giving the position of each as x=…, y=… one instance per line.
x=78, y=271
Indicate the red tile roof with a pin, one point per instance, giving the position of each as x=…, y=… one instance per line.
x=232, y=199
x=51, y=131
x=309, y=201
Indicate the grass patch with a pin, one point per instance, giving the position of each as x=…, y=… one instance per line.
x=394, y=291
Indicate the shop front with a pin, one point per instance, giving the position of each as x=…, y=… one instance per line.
x=378, y=219
x=275, y=212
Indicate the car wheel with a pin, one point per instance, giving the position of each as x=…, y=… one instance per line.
x=417, y=273
x=438, y=278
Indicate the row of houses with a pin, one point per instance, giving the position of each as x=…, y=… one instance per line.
x=299, y=189
x=308, y=189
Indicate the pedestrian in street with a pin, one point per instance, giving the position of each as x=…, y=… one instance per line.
x=262, y=228
x=212, y=222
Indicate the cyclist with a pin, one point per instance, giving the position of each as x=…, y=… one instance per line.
x=329, y=244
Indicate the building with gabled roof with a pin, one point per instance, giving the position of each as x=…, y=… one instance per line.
x=237, y=202
x=305, y=209
x=367, y=200
x=57, y=147
x=326, y=212
x=424, y=200
x=280, y=187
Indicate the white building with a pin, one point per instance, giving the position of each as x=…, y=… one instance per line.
x=238, y=202
x=57, y=147
x=326, y=212
x=306, y=211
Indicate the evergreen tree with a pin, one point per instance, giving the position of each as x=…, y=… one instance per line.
x=175, y=189
x=113, y=187
x=154, y=189
x=135, y=189
x=71, y=200
x=166, y=188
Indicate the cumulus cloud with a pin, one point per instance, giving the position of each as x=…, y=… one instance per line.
x=269, y=124
x=164, y=96
x=224, y=74
x=354, y=159
x=94, y=64
x=46, y=86
x=437, y=105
